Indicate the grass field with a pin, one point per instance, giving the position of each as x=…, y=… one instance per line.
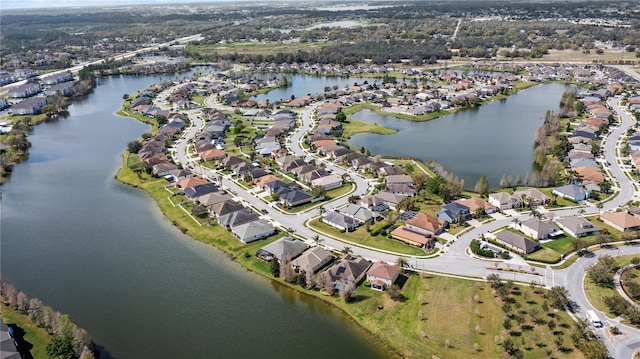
x=35, y=338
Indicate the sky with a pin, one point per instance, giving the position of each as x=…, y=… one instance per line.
x=32, y=4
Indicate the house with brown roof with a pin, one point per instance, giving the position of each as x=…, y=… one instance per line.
x=312, y=260
x=504, y=200
x=262, y=181
x=533, y=197
x=190, y=182
x=426, y=224
x=589, y=174
x=621, y=221
x=382, y=275
x=411, y=237
x=475, y=204
x=212, y=155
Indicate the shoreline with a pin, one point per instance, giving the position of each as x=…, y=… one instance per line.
x=119, y=176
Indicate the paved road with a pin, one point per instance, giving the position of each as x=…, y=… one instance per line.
x=454, y=260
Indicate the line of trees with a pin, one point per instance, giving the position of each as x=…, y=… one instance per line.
x=69, y=340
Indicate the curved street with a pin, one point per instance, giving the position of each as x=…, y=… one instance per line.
x=453, y=259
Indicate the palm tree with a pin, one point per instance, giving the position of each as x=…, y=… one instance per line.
x=516, y=221
x=346, y=250
x=402, y=263
x=316, y=239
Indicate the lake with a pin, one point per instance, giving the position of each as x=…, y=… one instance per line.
x=102, y=252
x=492, y=140
x=302, y=85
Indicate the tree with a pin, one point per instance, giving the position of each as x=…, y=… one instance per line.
x=420, y=180
x=161, y=120
x=402, y=263
x=558, y=297
x=60, y=347
x=395, y=293
x=275, y=267
x=603, y=271
x=318, y=191
x=508, y=346
x=134, y=146
x=341, y=117
x=482, y=186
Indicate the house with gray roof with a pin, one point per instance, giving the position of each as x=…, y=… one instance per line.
x=275, y=186
x=504, y=200
x=517, y=242
x=295, y=197
x=252, y=231
x=285, y=247
x=237, y=218
x=578, y=226
x=30, y=106
x=338, y=220
x=453, y=212
x=226, y=207
x=348, y=270
x=8, y=346
x=200, y=190
x=538, y=229
x=571, y=191
x=359, y=213
x=26, y=90
x=312, y=260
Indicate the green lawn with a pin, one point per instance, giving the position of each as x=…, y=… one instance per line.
x=351, y=127
x=545, y=255
x=36, y=338
x=362, y=237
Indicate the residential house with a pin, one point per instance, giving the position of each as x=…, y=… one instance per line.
x=329, y=182
x=571, y=191
x=226, y=207
x=312, y=260
x=212, y=155
x=348, y=271
x=285, y=247
x=65, y=89
x=402, y=189
x=517, y=242
x=504, y=200
x=57, y=78
x=391, y=171
x=8, y=345
x=532, y=197
x=253, y=230
x=262, y=181
x=295, y=197
x=476, y=204
x=399, y=179
x=276, y=186
x=388, y=199
x=200, y=190
x=589, y=175
x=621, y=221
x=237, y=218
x=340, y=221
x=538, y=229
x=313, y=175
x=426, y=224
x=163, y=169
x=180, y=174
x=382, y=275
x=578, y=226
x=411, y=237
x=30, y=106
x=26, y=90
x=454, y=212
x=212, y=198
x=358, y=213
x=190, y=182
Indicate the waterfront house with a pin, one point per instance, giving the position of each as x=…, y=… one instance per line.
x=30, y=106
x=200, y=190
x=382, y=275
x=211, y=199
x=312, y=260
x=285, y=247
x=517, y=242
x=252, y=231
x=180, y=174
x=532, y=197
x=578, y=226
x=163, y=169
x=57, y=78
x=65, y=89
x=237, y=218
x=388, y=199
x=621, y=221
x=402, y=189
x=504, y=200
x=190, y=182
x=347, y=271
x=226, y=207
x=572, y=192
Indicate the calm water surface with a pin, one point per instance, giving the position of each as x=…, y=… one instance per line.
x=492, y=140
x=101, y=251
x=302, y=85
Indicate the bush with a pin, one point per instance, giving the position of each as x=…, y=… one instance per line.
x=475, y=248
